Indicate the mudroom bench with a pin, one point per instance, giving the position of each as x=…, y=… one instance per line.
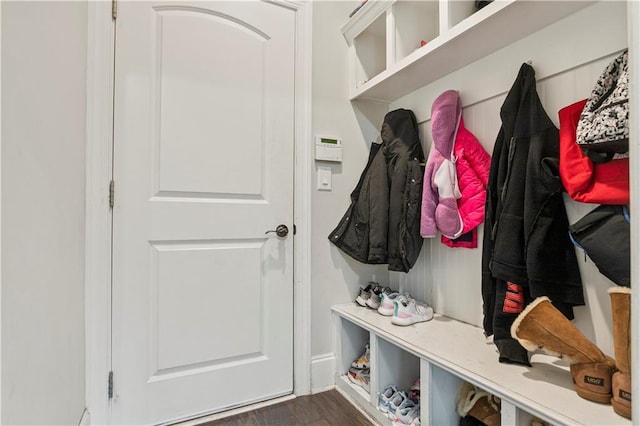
x=444, y=352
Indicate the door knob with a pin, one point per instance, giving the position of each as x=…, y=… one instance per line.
x=281, y=231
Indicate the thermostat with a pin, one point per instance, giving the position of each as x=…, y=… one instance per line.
x=328, y=149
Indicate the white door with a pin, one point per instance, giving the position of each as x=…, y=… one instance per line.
x=203, y=167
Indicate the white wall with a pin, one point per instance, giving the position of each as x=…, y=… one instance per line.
x=336, y=277
x=43, y=183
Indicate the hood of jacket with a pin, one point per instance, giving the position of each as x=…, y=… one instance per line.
x=399, y=132
x=522, y=113
x=445, y=116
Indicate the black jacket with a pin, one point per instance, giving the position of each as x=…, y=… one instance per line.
x=526, y=238
x=382, y=223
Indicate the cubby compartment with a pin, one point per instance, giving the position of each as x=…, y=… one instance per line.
x=395, y=366
x=370, y=48
x=440, y=395
x=353, y=341
x=458, y=11
x=414, y=22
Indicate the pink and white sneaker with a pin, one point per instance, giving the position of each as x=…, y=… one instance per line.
x=387, y=303
x=410, y=312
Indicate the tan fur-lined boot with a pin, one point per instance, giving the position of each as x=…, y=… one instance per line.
x=542, y=326
x=621, y=381
x=478, y=404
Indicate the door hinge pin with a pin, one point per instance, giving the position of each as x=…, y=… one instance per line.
x=110, y=385
x=111, y=193
x=114, y=9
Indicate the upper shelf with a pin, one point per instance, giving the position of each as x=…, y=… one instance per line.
x=363, y=18
x=457, y=44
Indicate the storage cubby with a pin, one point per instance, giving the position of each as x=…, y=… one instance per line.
x=395, y=366
x=460, y=10
x=353, y=342
x=370, y=48
x=414, y=21
x=440, y=395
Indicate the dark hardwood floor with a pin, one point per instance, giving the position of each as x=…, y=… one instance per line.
x=322, y=409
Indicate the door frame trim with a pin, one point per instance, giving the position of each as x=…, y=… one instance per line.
x=100, y=77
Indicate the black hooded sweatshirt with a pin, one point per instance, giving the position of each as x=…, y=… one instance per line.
x=526, y=239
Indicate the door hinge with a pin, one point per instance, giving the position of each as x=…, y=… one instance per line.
x=114, y=9
x=294, y=229
x=111, y=193
x=110, y=385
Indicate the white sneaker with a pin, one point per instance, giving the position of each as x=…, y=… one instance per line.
x=376, y=294
x=362, y=361
x=398, y=401
x=410, y=312
x=388, y=303
x=406, y=415
x=384, y=399
x=359, y=377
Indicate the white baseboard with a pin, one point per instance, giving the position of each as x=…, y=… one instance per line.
x=323, y=372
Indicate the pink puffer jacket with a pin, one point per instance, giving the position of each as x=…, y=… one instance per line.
x=472, y=168
x=440, y=191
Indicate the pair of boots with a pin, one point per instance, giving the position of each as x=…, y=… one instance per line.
x=596, y=376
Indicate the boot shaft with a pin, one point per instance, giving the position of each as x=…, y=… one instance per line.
x=621, y=323
x=542, y=326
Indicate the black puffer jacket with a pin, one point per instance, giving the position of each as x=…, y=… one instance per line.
x=382, y=223
x=526, y=242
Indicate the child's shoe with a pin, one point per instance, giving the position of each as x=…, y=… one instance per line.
x=384, y=399
x=359, y=377
x=387, y=303
x=409, y=312
x=363, y=360
x=365, y=294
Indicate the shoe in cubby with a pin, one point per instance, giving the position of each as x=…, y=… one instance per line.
x=385, y=397
x=399, y=401
x=479, y=405
x=362, y=362
x=359, y=377
x=407, y=416
x=414, y=392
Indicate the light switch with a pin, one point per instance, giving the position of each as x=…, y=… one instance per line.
x=324, y=179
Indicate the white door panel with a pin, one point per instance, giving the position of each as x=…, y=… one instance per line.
x=203, y=166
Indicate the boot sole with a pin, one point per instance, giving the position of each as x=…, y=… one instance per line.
x=621, y=409
x=621, y=386
x=593, y=396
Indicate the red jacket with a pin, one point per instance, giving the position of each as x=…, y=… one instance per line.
x=603, y=183
x=472, y=169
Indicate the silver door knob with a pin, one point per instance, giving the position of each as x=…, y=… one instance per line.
x=281, y=231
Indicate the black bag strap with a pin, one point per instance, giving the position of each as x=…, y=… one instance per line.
x=598, y=157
